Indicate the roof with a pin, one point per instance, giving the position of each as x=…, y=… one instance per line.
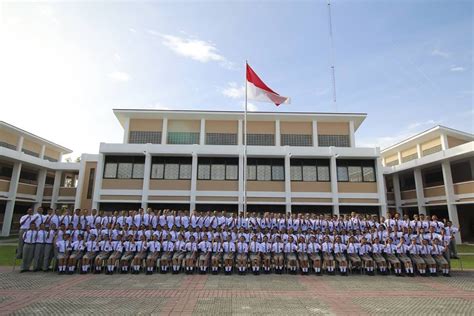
x=19, y=131
x=123, y=114
x=427, y=135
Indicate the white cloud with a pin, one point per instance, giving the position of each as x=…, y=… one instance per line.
x=440, y=53
x=195, y=49
x=234, y=91
x=119, y=76
x=251, y=107
x=457, y=69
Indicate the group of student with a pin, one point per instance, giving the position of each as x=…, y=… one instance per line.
x=151, y=241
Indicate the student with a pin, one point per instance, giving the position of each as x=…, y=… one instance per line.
x=425, y=252
x=364, y=253
x=92, y=248
x=179, y=253
x=278, y=258
x=340, y=255
x=205, y=248
x=353, y=253
x=265, y=250
x=64, y=249
x=129, y=249
x=402, y=251
x=115, y=256
x=314, y=249
x=167, y=254
x=140, y=255
x=328, y=258
x=25, y=224
x=302, y=250
x=77, y=247
x=154, y=248
x=28, y=244
x=216, y=256
x=437, y=252
x=229, y=250
x=40, y=242
x=390, y=251
x=377, y=254
x=414, y=251
x=49, y=247
x=191, y=253
x=105, y=247
x=242, y=251
x=254, y=249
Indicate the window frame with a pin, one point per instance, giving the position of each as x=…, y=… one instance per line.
x=134, y=160
x=180, y=161
x=301, y=162
x=277, y=162
x=356, y=163
x=225, y=161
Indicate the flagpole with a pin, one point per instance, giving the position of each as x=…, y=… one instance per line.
x=245, y=143
x=333, y=70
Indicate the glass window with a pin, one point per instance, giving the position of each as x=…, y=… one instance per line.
x=251, y=172
x=355, y=174
x=232, y=172
x=264, y=173
x=172, y=171
x=323, y=173
x=342, y=174
x=124, y=170
x=204, y=172
x=278, y=173
x=157, y=171
x=309, y=173
x=369, y=174
x=217, y=172
x=295, y=173
x=185, y=171
x=110, y=170
x=138, y=171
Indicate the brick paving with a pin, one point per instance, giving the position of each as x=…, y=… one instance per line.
x=52, y=294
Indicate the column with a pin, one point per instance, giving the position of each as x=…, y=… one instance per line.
x=399, y=154
x=56, y=186
x=202, y=133
x=418, y=150
x=240, y=133
x=288, y=183
x=7, y=219
x=471, y=163
x=80, y=183
x=241, y=183
x=194, y=173
x=450, y=199
x=351, y=133
x=19, y=144
x=381, y=187
x=334, y=188
x=315, y=133
x=40, y=188
x=444, y=142
x=99, y=174
x=43, y=150
x=277, y=133
x=396, y=191
x=420, y=194
x=164, y=131
x=146, y=180
x=126, y=130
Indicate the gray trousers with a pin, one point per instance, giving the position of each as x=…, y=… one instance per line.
x=48, y=256
x=453, y=248
x=28, y=253
x=38, y=257
x=19, y=251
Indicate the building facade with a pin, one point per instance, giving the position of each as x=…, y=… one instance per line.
x=194, y=160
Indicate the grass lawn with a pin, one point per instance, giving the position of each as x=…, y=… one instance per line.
x=7, y=253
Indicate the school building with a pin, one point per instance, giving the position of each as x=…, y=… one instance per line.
x=195, y=160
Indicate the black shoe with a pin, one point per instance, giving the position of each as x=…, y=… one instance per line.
x=434, y=274
x=454, y=257
x=447, y=275
x=23, y=271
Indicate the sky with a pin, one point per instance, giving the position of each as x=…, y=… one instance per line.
x=65, y=65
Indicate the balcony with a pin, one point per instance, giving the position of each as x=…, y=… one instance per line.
x=67, y=192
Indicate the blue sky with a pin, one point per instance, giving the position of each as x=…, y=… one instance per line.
x=408, y=64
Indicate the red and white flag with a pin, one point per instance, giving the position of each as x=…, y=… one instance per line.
x=257, y=90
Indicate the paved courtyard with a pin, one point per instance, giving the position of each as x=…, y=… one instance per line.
x=51, y=294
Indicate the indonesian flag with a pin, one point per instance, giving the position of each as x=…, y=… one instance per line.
x=257, y=90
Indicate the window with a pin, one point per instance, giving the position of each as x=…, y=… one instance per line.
x=27, y=176
x=218, y=168
x=90, y=185
x=356, y=170
x=183, y=138
x=392, y=163
x=124, y=167
x=171, y=168
x=265, y=169
x=29, y=152
x=7, y=145
x=49, y=180
x=407, y=181
x=6, y=172
x=333, y=140
x=296, y=140
x=462, y=171
x=221, y=139
x=261, y=139
x=309, y=170
x=144, y=137
x=410, y=157
x=50, y=159
x=433, y=177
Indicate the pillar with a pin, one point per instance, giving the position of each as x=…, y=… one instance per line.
x=450, y=199
x=381, y=187
x=15, y=179
x=351, y=134
x=315, y=133
x=194, y=174
x=288, y=183
x=99, y=174
x=164, y=131
x=202, y=133
x=40, y=188
x=277, y=133
x=420, y=194
x=146, y=180
x=334, y=188
x=396, y=191
x=56, y=186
